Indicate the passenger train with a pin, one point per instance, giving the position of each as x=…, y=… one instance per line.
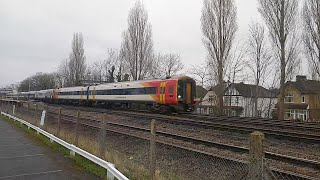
x=174, y=94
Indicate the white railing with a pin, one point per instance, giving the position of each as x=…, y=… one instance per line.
x=112, y=171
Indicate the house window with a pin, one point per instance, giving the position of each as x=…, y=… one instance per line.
x=211, y=98
x=296, y=114
x=259, y=113
x=303, y=100
x=288, y=98
x=287, y=115
x=237, y=100
x=227, y=99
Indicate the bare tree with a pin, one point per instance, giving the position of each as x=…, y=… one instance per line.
x=63, y=74
x=156, y=69
x=37, y=82
x=280, y=17
x=219, y=26
x=113, y=60
x=259, y=58
x=77, y=60
x=168, y=64
x=172, y=64
x=97, y=70
x=311, y=36
x=200, y=73
x=234, y=68
x=137, y=44
x=236, y=62
x=120, y=67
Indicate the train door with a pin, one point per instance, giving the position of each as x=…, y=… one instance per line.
x=55, y=94
x=81, y=94
x=170, y=92
x=188, y=92
x=162, y=97
x=88, y=93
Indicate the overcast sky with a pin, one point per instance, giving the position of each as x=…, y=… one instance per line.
x=35, y=35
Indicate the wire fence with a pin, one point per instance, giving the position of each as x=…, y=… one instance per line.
x=142, y=154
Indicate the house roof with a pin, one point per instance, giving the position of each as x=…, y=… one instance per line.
x=246, y=90
x=306, y=86
x=249, y=90
x=217, y=89
x=200, y=91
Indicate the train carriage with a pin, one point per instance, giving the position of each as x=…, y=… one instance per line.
x=174, y=94
x=71, y=94
x=44, y=95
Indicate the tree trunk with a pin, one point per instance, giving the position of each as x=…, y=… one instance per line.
x=283, y=63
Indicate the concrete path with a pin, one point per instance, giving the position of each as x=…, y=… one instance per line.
x=25, y=157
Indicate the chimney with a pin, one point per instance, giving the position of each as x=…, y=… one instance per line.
x=301, y=78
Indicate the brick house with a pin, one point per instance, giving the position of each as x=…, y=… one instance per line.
x=302, y=99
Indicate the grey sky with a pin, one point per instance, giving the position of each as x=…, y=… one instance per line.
x=35, y=35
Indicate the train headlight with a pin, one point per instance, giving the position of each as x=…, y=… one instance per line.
x=179, y=96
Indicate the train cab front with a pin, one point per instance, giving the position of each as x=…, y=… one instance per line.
x=186, y=94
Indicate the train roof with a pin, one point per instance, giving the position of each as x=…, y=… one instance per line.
x=72, y=88
x=78, y=88
x=148, y=80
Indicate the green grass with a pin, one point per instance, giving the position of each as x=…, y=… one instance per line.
x=80, y=162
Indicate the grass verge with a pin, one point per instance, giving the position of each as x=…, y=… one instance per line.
x=80, y=162
x=122, y=161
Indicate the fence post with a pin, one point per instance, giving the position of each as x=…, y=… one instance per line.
x=153, y=149
x=27, y=115
x=35, y=114
x=46, y=117
x=77, y=129
x=103, y=136
x=59, y=122
x=256, y=153
x=13, y=109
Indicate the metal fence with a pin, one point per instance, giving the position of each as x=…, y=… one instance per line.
x=143, y=154
x=39, y=121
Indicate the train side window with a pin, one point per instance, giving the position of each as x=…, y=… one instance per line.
x=154, y=90
x=127, y=92
x=170, y=90
x=142, y=91
x=151, y=90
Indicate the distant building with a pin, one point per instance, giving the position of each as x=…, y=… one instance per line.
x=238, y=99
x=5, y=91
x=200, y=94
x=302, y=99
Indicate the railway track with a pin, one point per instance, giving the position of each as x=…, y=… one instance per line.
x=245, y=126
x=162, y=135
x=292, y=130
x=305, y=126
x=123, y=129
